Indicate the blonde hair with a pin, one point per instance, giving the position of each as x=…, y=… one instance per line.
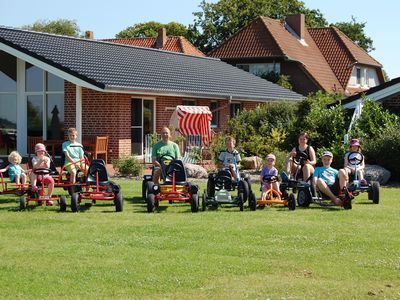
x=14, y=154
x=230, y=139
x=72, y=130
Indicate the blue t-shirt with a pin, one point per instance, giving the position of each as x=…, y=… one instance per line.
x=13, y=171
x=266, y=171
x=326, y=174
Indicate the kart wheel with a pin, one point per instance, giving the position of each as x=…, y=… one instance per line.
x=119, y=202
x=303, y=198
x=150, y=202
x=63, y=203
x=252, y=201
x=194, y=202
x=204, y=201
x=375, y=192
x=144, y=190
x=210, y=188
x=292, y=202
x=71, y=190
x=149, y=188
x=240, y=201
x=75, y=205
x=244, y=188
x=22, y=203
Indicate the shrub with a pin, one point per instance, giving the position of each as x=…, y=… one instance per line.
x=128, y=165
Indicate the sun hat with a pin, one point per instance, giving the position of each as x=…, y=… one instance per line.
x=271, y=156
x=355, y=142
x=40, y=147
x=327, y=153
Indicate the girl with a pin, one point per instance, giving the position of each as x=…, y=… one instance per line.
x=15, y=171
x=350, y=168
x=40, y=160
x=269, y=169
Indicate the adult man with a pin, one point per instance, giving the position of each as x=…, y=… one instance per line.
x=328, y=180
x=163, y=150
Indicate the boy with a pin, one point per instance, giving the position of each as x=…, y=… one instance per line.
x=73, y=153
x=328, y=180
x=230, y=158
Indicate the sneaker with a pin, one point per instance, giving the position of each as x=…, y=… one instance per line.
x=50, y=202
x=363, y=182
x=284, y=176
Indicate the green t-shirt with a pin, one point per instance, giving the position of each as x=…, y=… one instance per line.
x=168, y=150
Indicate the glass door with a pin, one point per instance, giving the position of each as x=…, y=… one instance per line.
x=142, y=123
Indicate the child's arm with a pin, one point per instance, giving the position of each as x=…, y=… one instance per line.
x=5, y=169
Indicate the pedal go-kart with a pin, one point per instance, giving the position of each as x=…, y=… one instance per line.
x=11, y=188
x=40, y=196
x=306, y=195
x=219, y=186
x=355, y=187
x=291, y=183
x=272, y=196
x=97, y=188
x=174, y=187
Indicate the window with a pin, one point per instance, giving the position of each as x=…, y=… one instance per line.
x=358, y=76
x=45, y=102
x=260, y=69
x=189, y=102
x=235, y=108
x=215, y=114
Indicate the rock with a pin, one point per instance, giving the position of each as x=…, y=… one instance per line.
x=251, y=162
x=195, y=171
x=376, y=173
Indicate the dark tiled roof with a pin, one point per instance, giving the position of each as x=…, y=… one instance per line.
x=173, y=43
x=111, y=66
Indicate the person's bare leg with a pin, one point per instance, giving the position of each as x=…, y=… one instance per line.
x=323, y=187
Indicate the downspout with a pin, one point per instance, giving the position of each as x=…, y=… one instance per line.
x=78, y=112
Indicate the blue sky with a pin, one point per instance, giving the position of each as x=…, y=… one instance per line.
x=106, y=18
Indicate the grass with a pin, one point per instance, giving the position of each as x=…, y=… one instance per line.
x=218, y=254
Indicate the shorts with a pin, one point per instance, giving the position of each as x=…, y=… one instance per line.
x=335, y=187
x=46, y=179
x=75, y=167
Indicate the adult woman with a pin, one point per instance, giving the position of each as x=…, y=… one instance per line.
x=303, y=153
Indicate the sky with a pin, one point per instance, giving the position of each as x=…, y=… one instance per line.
x=107, y=18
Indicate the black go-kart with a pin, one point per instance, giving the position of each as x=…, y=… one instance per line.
x=355, y=186
x=220, y=186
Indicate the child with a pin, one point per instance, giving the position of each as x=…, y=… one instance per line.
x=15, y=171
x=354, y=147
x=269, y=169
x=328, y=180
x=73, y=152
x=40, y=160
x=230, y=158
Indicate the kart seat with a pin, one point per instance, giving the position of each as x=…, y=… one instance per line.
x=97, y=166
x=180, y=172
x=224, y=179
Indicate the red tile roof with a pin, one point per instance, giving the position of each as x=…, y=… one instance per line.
x=266, y=37
x=173, y=43
x=326, y=54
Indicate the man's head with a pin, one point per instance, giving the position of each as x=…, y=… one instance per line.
x=230, y=142
x=165, y=134
x=327, y=158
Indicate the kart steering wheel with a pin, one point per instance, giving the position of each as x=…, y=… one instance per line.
x=270, y=178
x=355, y=158
x=221, y=181
x=42, y=171
x=173, y=167
x=300, y=158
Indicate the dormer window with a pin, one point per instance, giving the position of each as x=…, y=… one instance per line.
x=358, y=76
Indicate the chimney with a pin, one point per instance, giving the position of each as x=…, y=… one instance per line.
x=89, y=35
x=297, y=23
x=161, y=38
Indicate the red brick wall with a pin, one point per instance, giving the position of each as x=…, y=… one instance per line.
x=110, y=114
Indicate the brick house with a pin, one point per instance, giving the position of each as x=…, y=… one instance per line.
x=314, y=58
x=102, y=88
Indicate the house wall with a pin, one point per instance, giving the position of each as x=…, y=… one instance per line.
x=110, y=114
x=393, y=104
x=301, y=83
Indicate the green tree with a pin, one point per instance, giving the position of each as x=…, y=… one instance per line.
x=150, y=29
x=218, y=21
x=60, y=26
x=355, y=31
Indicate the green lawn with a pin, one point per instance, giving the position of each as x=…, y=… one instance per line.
x=273, y=253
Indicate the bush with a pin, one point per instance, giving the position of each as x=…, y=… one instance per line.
x=384, y=150
x=128, y=166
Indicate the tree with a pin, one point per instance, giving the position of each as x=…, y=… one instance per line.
x=150, y=29
x=60, y=26
x=218, y=21
x=355, y=31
